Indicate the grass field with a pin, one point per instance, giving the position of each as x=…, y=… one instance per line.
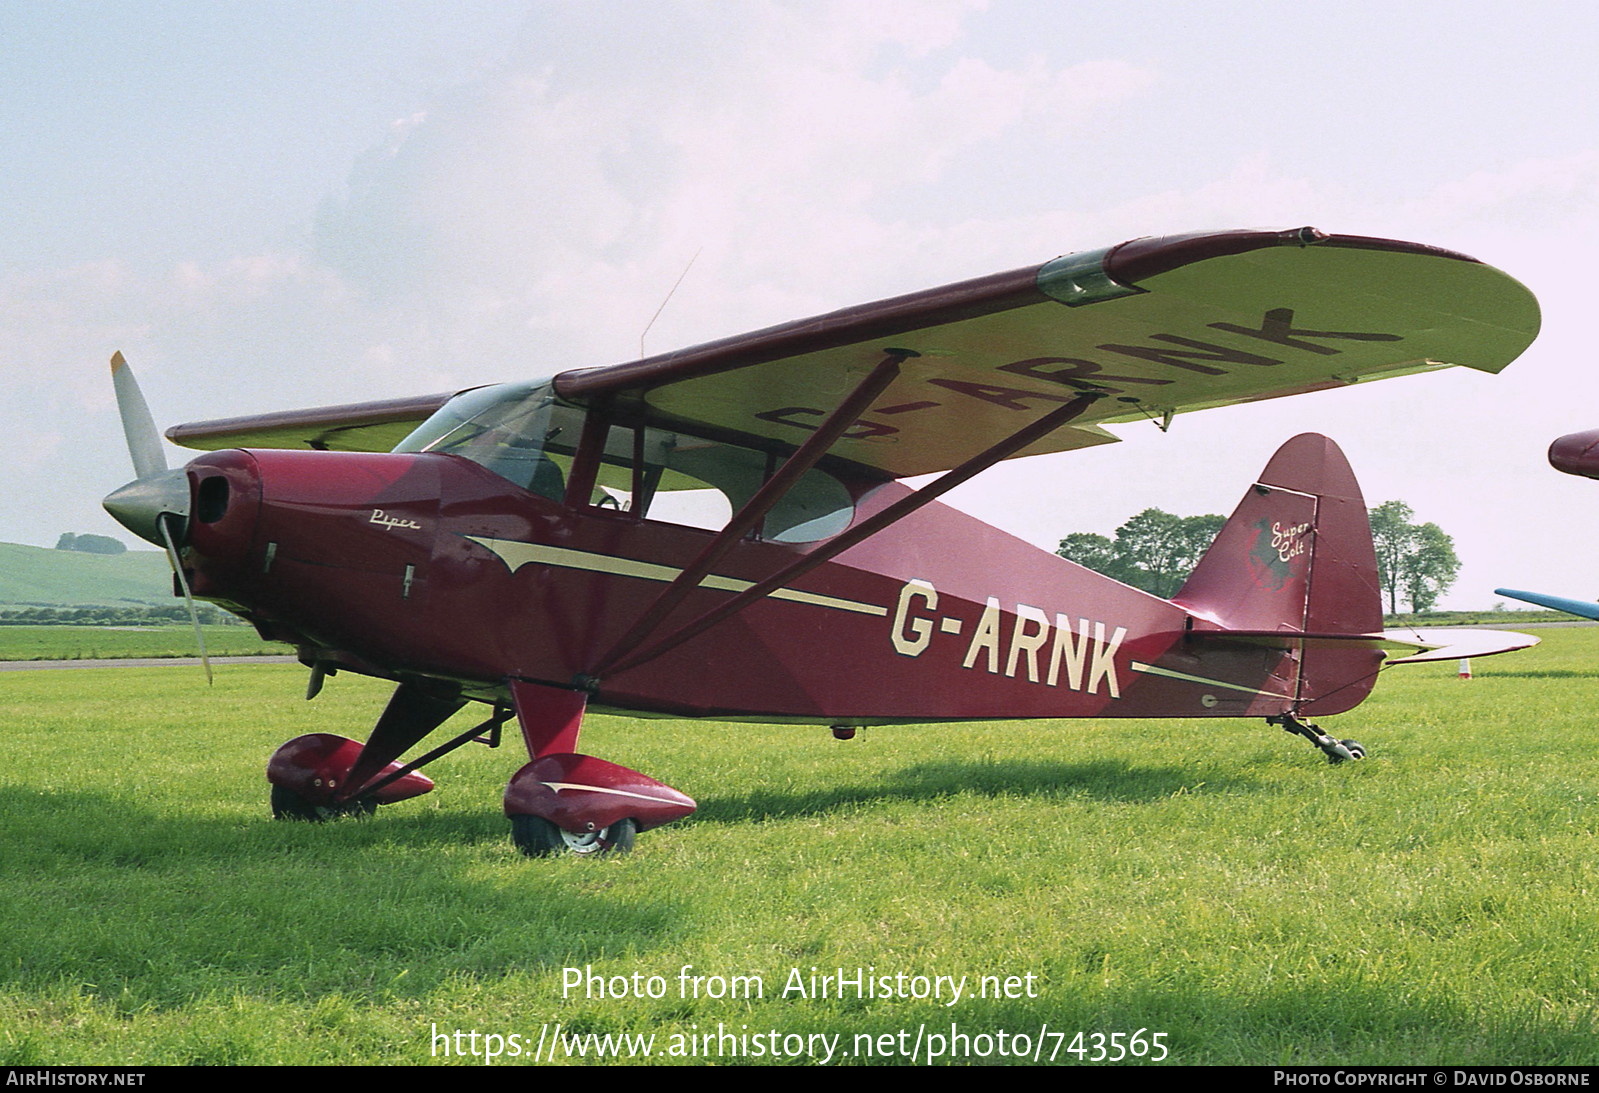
x=108, y=642
x=35, y=575
x=1213, y=882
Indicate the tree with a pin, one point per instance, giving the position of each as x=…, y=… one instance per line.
x=1430, y=567
x=1416, y=559
x=1391, y=530
x=1160, y=550
x=1094, y=551
x=1154, y=551
x=91, y=544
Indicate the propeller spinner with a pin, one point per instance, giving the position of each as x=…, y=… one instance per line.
x=155, y=505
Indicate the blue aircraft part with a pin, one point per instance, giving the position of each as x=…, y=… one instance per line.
x=1584, y=608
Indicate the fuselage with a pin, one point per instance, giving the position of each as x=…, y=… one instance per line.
x=431, y=565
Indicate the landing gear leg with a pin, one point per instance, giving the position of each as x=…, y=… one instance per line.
x=564, y=802
x=318, y=776
x=1336, y=751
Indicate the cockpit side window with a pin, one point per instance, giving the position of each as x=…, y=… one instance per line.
x=522, y=433
x=686, y=479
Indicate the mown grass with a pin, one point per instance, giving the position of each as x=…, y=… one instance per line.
x=112, y=642
x=1215, y=881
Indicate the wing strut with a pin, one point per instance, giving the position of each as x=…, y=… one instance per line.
x=799, y=461
x=870, y=526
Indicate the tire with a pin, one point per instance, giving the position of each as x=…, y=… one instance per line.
x=539, y=838
x=288, y=805
x=1355, y=750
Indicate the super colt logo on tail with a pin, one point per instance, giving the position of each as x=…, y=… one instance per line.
x=1276, y=547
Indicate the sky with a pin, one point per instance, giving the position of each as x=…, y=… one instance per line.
x=279, y=205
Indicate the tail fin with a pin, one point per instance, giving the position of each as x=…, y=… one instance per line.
x=1295, y=562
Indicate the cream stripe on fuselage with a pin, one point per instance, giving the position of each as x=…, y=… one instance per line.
x=516, y=554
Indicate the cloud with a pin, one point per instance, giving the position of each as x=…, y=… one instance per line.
x=792, y=148
x=1532, y=193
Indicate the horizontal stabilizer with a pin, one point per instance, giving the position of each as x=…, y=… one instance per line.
x=1291, y=639
x=1454, y=644
x=1586, y=609
x=1417, y=646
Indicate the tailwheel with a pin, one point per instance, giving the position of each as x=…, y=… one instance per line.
x=288, y=805
x=538, y=838
x=1336, y=751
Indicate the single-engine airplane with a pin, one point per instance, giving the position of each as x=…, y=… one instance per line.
x=515, y=545
x=1574, y=453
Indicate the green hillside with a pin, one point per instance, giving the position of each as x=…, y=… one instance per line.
x=39, y=577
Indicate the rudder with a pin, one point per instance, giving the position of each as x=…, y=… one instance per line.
x=1296, y=557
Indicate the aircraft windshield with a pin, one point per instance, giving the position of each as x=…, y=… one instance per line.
x=504, y=428
x=522, y=433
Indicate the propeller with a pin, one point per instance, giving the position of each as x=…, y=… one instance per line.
x=138, y=424
x=155, y=505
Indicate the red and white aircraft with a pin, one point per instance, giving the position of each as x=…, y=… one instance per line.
x=517, y=546
x=1578, y=454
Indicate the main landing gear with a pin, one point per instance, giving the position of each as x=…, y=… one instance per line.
x=559, y=802
x=566, y=802
x=1336, y=751
x=537, y=837
x=288, y=805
